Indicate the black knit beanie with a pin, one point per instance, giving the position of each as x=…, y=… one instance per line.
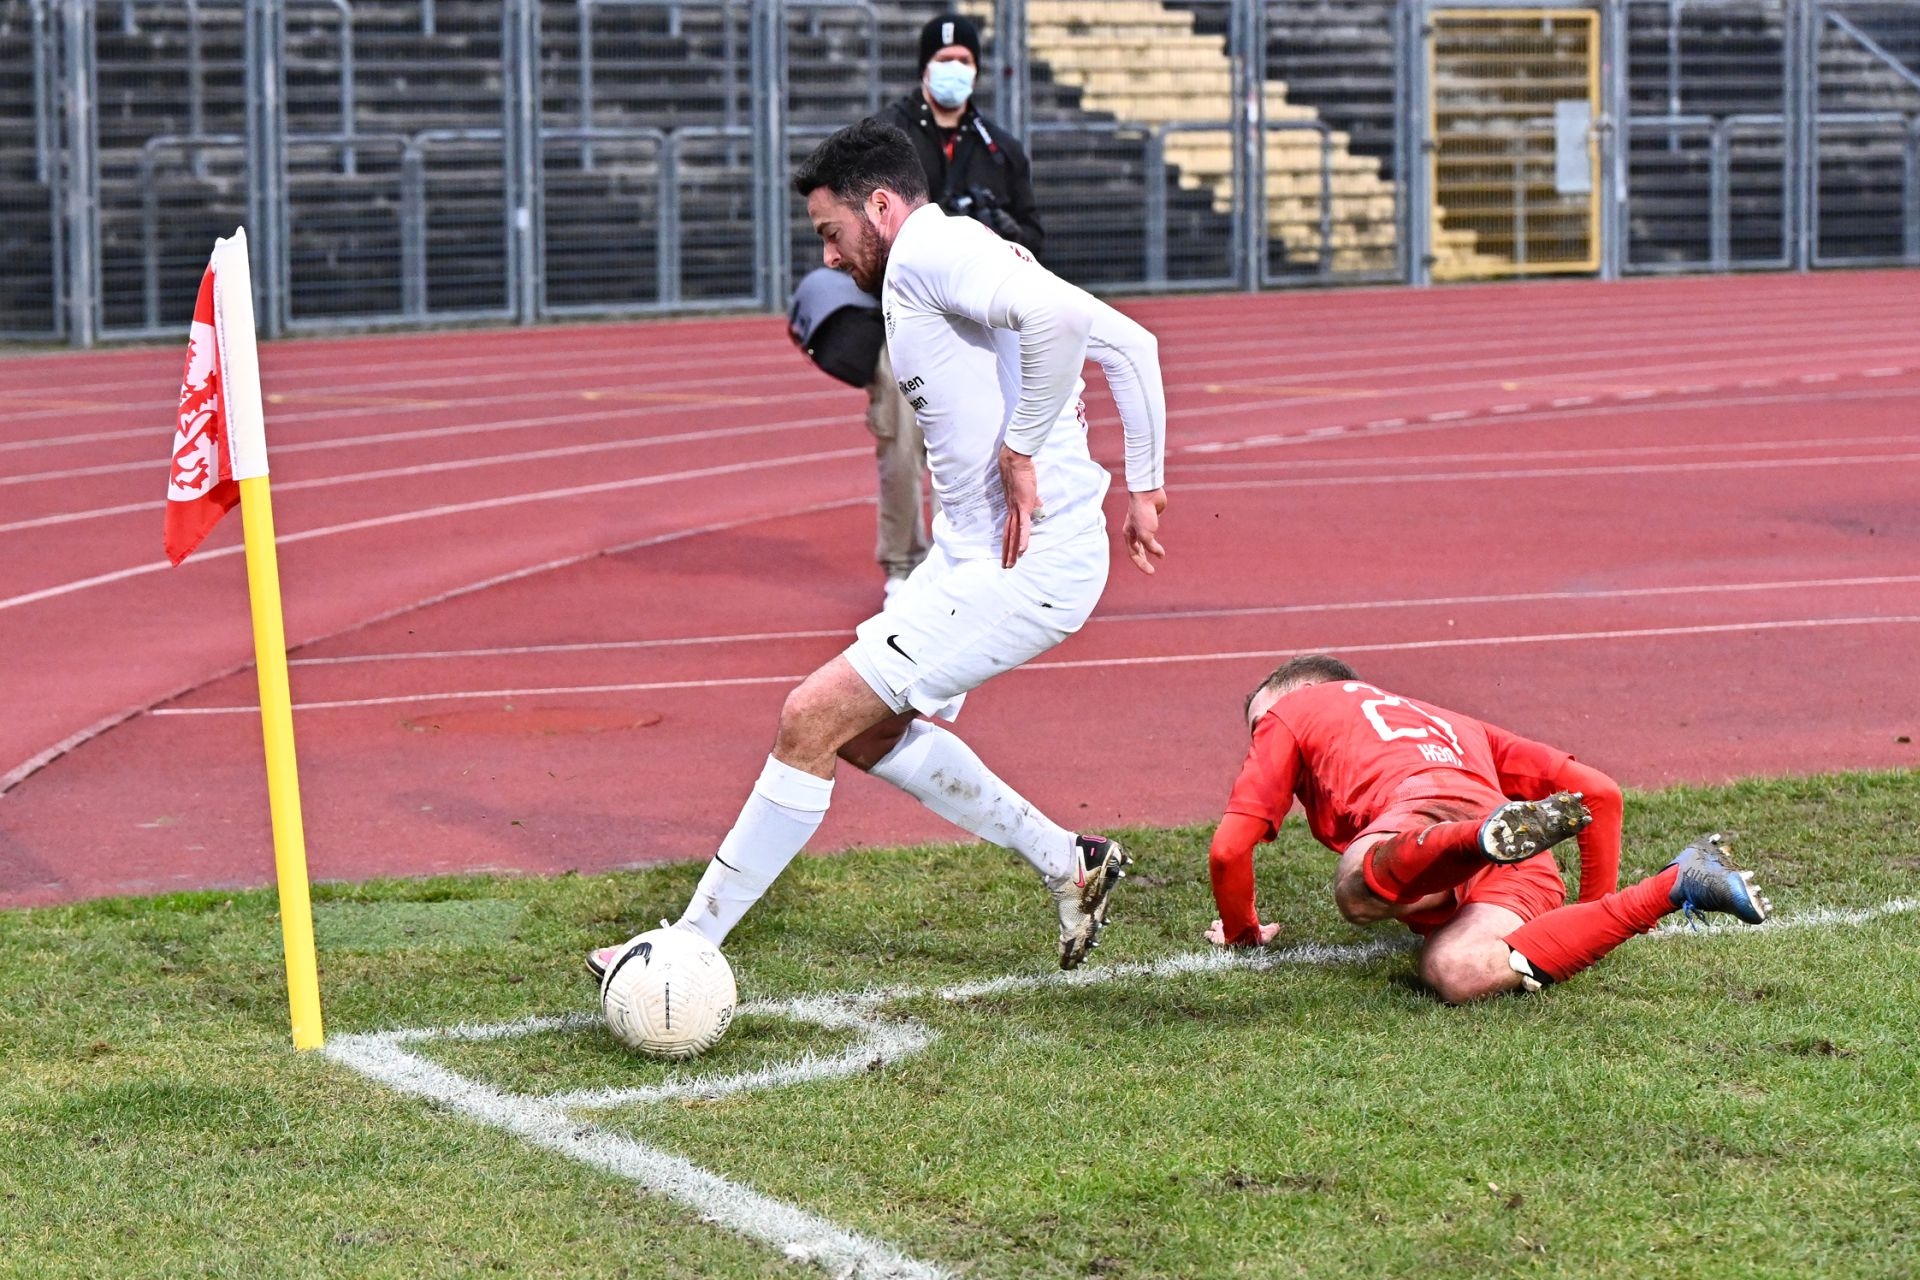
x=950, y=28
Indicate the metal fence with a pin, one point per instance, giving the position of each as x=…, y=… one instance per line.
x=405, y=162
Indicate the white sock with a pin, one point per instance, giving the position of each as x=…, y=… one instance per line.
x=778, y=819
x=941, y=772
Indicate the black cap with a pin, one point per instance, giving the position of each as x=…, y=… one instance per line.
x=948, y=28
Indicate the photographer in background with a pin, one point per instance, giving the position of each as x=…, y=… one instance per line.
x=974, y=167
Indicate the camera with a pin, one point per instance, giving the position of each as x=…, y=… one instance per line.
x=974, y=202
x=983, y=206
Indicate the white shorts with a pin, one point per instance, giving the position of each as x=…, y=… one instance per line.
x=957, y=623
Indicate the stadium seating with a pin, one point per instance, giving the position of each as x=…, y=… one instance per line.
x=26, y=232
x=651, y=69
x=1145, y=62
x=1731, y=62
x=1103, y=72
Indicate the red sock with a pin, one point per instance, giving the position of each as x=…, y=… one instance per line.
x=1412, y=864
x=1567, y=939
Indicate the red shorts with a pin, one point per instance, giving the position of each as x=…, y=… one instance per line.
x=1528, y=889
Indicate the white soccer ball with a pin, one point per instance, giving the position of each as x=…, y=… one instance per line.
x=668, y=993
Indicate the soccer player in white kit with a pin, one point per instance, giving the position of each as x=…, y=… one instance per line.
x=988, y=347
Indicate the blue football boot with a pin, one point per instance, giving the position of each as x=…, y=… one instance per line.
x=1709, y=881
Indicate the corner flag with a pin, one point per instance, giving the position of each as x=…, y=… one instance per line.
x=200, y=483
x=220, y=459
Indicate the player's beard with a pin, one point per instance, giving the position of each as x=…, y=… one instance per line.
x=868, y=264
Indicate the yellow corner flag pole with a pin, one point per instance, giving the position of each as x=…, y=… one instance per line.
x=240, y=382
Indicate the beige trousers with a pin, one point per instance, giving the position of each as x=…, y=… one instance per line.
x=901, y=456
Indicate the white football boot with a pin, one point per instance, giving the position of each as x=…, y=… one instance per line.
x=1099, y=865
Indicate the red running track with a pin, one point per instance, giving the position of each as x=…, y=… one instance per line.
x=547, y=588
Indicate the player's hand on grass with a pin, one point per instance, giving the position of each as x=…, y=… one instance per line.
x=1217, y=933
x=1023, y=499
x=1143, y=523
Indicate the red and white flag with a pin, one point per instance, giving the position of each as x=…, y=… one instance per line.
x=200, y=483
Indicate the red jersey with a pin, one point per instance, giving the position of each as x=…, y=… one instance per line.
x=1350, y=752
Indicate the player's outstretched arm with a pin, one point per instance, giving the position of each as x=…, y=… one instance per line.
x=1600, y=841
x=1230, y=864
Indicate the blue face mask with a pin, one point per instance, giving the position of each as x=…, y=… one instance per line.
x=950, y=83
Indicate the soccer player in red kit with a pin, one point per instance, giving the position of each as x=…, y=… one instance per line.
x=1446, y=824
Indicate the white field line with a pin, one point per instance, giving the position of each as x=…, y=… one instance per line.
x=801, y=1236
x=1690, y=591
x=880, y=1042
x=1154, y=660
x=1819, y=918
x=434, y=513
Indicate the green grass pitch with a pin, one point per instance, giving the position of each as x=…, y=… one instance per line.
x=1728, y=1104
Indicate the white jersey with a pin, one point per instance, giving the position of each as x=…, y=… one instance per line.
x=959, y=366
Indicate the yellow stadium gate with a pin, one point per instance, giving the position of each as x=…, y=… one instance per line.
x=1513, y=96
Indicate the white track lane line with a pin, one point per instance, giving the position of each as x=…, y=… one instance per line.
x=1843, y=324
x=1406, y=460
x=1195, y=377
x=1153, y=660
x=390, y=1058
x=587, y=646
x=1690, y=590
x=27, y=768
x=1616, y=370
x=1189, y=360
x=1557, y=473
x=332, y=417
x=478, y=428
x=415, y=471
x=439, y=512
x=1401, y=426
x=1459, y=418
x=282, y=421
x=1462, y=418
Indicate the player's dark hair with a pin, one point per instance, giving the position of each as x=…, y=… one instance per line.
x=1308, y=668
x=860, y=159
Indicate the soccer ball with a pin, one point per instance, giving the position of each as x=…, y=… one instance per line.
x=668, y=993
